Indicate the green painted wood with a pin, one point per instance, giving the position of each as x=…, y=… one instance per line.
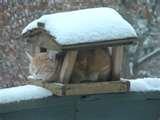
x=120, y=107
x=45, y=113
x=1, y=116
x=54, y=101
x=117, y=106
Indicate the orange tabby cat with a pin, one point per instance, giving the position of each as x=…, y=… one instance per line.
x=42, y=67
x=91, y=65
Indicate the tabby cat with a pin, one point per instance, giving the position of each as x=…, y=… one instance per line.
x=43, y=67
x=91, y=65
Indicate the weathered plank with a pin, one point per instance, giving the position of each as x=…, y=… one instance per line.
x=106, y=43
x=67, y=66
x=95, y=88
x=85, y=88
x=117, y=59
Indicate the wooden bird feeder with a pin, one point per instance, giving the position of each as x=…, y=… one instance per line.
x=70, y=32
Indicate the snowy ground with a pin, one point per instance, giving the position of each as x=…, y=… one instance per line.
x=28, y=92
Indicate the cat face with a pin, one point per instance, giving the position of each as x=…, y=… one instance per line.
x=92, y=65
x=41, y=67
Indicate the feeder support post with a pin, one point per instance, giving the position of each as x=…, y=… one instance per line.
x=67, y=66
x=117, y=59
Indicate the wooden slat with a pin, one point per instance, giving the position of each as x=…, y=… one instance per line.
x=117, y=59
x=85, y=88
x=67, y=66
x=106, y=43
x=96, y=88
x=56, y=88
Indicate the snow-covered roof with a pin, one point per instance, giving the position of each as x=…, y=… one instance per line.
x=27, y=92
x=85, y=26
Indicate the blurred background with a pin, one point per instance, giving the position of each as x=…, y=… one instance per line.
x=141, y=59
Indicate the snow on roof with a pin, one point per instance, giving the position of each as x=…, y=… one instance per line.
x=27, y=92
x=144, y=84
x=81, y=26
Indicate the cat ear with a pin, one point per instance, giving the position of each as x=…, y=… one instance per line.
x=29, y=56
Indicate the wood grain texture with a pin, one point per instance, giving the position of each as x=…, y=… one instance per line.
x=85, y=88
x=107, y=43
x=96, y=88
x=117, y=59
x=67, y=66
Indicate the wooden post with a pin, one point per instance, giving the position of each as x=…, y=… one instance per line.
x=117, y=59
x=67, y=66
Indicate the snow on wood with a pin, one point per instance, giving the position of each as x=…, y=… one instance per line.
x=30, y=92
x=81, y=26
x=27, y=92
x=144, y=84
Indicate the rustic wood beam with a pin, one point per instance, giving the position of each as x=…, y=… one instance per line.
x=107, y=43
x=117, y=59
x=60, y=89
x=67, y=66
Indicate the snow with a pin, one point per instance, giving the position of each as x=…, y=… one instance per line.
x=88, y=25
x=144, y=84
x=27, y=92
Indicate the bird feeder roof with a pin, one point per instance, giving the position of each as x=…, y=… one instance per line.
x=94, y=25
